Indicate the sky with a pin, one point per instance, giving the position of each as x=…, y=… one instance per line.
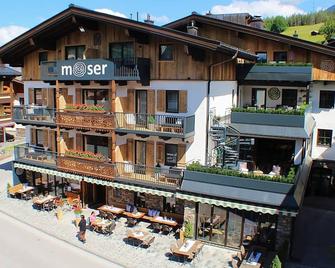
x=25, y=14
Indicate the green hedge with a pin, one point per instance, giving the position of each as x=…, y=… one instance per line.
x=300, y=111
x=195, y=166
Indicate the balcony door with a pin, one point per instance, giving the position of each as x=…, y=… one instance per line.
x=122, y=53
x=96, y=144
x=96, y=97
x=290, y=97
x=141, y=107
x=140, y=156
x=259, y=97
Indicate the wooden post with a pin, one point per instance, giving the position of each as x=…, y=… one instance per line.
x=113, y=110
x=11, y=98
x=82, y=190
x=57, y=110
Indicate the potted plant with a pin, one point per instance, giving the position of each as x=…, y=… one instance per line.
x=77, y=212
x=86, y=155
x=151, y=122
x=188, y=229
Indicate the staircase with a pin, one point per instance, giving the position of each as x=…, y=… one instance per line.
x=224, y=149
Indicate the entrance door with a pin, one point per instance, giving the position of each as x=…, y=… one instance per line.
x=141, y=107
x=290, y=97
x=259, y=97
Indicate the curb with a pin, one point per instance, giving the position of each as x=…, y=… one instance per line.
x=61, y=239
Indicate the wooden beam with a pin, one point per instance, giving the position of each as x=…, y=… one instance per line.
x=113, y=110
x=11, y=98
x=57, y=110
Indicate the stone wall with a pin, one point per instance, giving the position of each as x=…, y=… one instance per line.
x=284, y=228
x=154, y=202
x=119, y=196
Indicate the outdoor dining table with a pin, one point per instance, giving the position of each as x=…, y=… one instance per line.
x=24, y=190
x=141, y=236
x=43, y=200
x=253, y=260
x=187, y=249
x=161, y=220
x=136, y=215
x=111, y=209
x=101, y=223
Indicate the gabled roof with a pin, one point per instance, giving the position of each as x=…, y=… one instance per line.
x=8, y=72
x=45, y=34
x=252, y=31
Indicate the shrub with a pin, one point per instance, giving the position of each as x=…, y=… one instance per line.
x=300, y=111
x=87, y=155
x=189, y=232
x=276, y=263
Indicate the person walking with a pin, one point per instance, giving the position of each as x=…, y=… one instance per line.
x=82, y=229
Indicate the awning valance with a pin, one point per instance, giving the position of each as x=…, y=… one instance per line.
x=142, y=189
x=235, y=205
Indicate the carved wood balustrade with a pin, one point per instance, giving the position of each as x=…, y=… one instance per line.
x=86, y=120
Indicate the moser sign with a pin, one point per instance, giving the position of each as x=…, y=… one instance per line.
x=97, y=69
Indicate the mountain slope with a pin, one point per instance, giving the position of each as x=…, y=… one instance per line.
x=304, y=32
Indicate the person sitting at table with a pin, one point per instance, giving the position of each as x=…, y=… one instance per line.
x=93, y=218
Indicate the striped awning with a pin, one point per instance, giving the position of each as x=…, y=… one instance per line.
x=49, y=171
x=235, y=205
x=94, y=180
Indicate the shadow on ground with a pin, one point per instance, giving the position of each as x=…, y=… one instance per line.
x=6, y=165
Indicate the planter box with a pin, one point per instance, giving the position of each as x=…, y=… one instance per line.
x=84, y=111
x=84, y=158
x=238, y=182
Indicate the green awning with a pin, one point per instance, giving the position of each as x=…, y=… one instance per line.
x=142, y=189
x=235, y=205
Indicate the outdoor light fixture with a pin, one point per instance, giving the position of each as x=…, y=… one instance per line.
x=81, y=29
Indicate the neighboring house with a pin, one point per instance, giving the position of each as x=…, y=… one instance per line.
x=116, y=109
x=9, y=87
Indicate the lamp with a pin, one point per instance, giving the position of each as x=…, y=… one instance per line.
x=81, y=29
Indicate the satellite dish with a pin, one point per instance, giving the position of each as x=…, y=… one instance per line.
x=19, y=171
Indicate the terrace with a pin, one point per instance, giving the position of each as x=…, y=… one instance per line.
x=34, y=115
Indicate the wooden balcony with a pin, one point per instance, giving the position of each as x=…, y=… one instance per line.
x=158, y=177
x=34, y=115
x=85, y=120
x=87, y=167
x=5, y=97
x=172, y=126
x=4, y=118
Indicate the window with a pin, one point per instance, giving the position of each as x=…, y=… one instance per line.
x=96, y=144
x=96, y=96
x=74, y=52
x=290, y=97
x=122, y=51
x=165, y=52
x=280, y=56
x=38, y=99
x=262, y=57
x=171, y=155
x=326, y=99
x=42, y=56
x=172, y=101
x=325, y=137
x=39, y=137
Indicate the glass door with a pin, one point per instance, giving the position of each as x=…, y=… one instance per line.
x=204, y=231
x=234, y=230
x=141, y=107
x=140, y=161
x=259, y=97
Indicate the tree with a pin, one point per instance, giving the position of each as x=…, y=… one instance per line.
x=277, y=24
x=328, y=29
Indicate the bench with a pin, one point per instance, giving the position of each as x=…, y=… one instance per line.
x=14, y=189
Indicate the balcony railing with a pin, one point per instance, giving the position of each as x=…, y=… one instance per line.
x=86, y=120
x=88, y=167
x=162, y=125
x=170, y=177
x=5, y=117
x=35, y=115
x=34, y=155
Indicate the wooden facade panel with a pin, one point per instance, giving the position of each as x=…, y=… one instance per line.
x=160, y=156
x=130, y=150
x=183, y=101
x=323, y=67
x=79, y=141
x=121, y=153
x=151, y=102
x=150, y=154
x=181, y=155
x=161, y=100
x=131, y=101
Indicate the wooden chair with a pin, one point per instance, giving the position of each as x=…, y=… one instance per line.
x=148, y=241
x=156, y=227
x=102, y=214
x=131, y=222
x=110, y=216
x=234, y=263
x=243, y=252
x=166, y=229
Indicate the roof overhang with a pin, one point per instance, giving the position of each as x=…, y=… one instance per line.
x=45, y=34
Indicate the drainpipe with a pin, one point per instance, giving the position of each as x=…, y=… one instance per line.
x=210, y=71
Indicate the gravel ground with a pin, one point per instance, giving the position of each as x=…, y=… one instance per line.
x=110, y=247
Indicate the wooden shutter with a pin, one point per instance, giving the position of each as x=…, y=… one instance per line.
x=183, y=101
x=160, y=153
x=50, y=97
x=79, y=142
x=78, y=96
x=33, y=136
x=31, y=95
x=131, y=100
x=52, y=140
x=161, y=100
x=130, y=150
x=181, y=155
x=45, y=138
x=151, y=101
x=44, y=96
x=149, y=151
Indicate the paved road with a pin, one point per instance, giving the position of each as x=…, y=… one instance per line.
x=24, y=246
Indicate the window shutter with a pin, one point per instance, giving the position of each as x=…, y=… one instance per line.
x=53, y=140
x=160, y=153
x=150, y=154
x=45, y=96
x=161, y=100
x=78, y=96
x=151, y=101
x=31, y=95
x=183, y=101
x=181, y=155
x=33, y=136
x=50, y=97
x=79, y=142
x=130, y=150
x=131, y=100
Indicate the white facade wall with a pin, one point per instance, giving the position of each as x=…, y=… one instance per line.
x=223, y=96
x=325, y=119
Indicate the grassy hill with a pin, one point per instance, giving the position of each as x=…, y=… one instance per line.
x=304, y=32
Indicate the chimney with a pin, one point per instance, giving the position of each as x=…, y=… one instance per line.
x=148, y=20
x=256, y=22
x=192, y=29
